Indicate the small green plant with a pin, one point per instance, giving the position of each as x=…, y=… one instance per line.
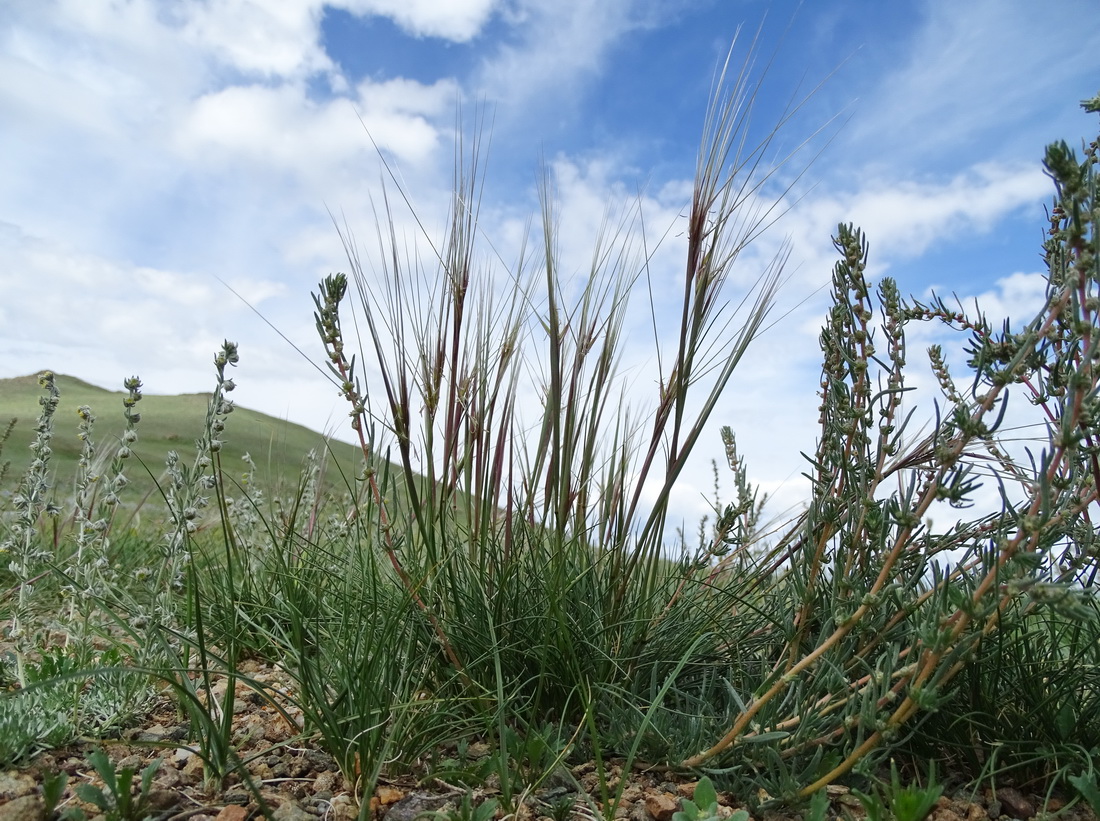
x=466, y=811
x=561, y=808
x=1086, y=785
x=897, y=803
x=703, y=805
x=116, y=800
x=53, y=788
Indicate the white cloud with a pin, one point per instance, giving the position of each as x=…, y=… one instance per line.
x=904, y=217
x=283, y=129
x=907, y=217
x=557, y=45
x=456, y=20
x=91, y=68
x=273, y=38
x=110, y=312
x=975, y=76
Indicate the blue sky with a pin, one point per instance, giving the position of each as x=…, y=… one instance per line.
x=149, y=148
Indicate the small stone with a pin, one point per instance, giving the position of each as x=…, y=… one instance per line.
x=944, y=814
x=194, y=766
x=1015, y=804
x=180, y=732
x=181, y=757
x=416, y=804
x=160, y=801
x=661, y=806
x=299, y=767
x=388, y=795
x=291, y=812
x=343, y=808
x=276, y=731
x=478, y=749
x=155, y=733
x=320, y=760
x=26, y=808
x=167, y=778
x=232, y=812
x=14, y=784
x=976, y=812
x=250, y=729
x=261, y=771
x=134, y=762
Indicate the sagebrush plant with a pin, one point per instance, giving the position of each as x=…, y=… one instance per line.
x=28, y=552
x=64, y=576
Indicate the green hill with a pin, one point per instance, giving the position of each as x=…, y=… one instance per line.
x=167, y=423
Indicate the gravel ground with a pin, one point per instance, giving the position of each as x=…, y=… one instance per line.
x=300, y=783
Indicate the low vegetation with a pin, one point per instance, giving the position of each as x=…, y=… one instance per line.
x=478, y=575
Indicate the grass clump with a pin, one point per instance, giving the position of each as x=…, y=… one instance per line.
x=488, y=574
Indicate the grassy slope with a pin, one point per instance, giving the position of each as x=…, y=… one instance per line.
x=167, y=423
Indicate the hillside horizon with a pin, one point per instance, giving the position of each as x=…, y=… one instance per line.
x=168, y=422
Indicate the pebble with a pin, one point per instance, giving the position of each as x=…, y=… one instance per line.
x=413, y=805
x=291, y=812
x=15, y=784
x=233, y=812
x=25, y=808
x=661, y=806
x=1015, y=804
